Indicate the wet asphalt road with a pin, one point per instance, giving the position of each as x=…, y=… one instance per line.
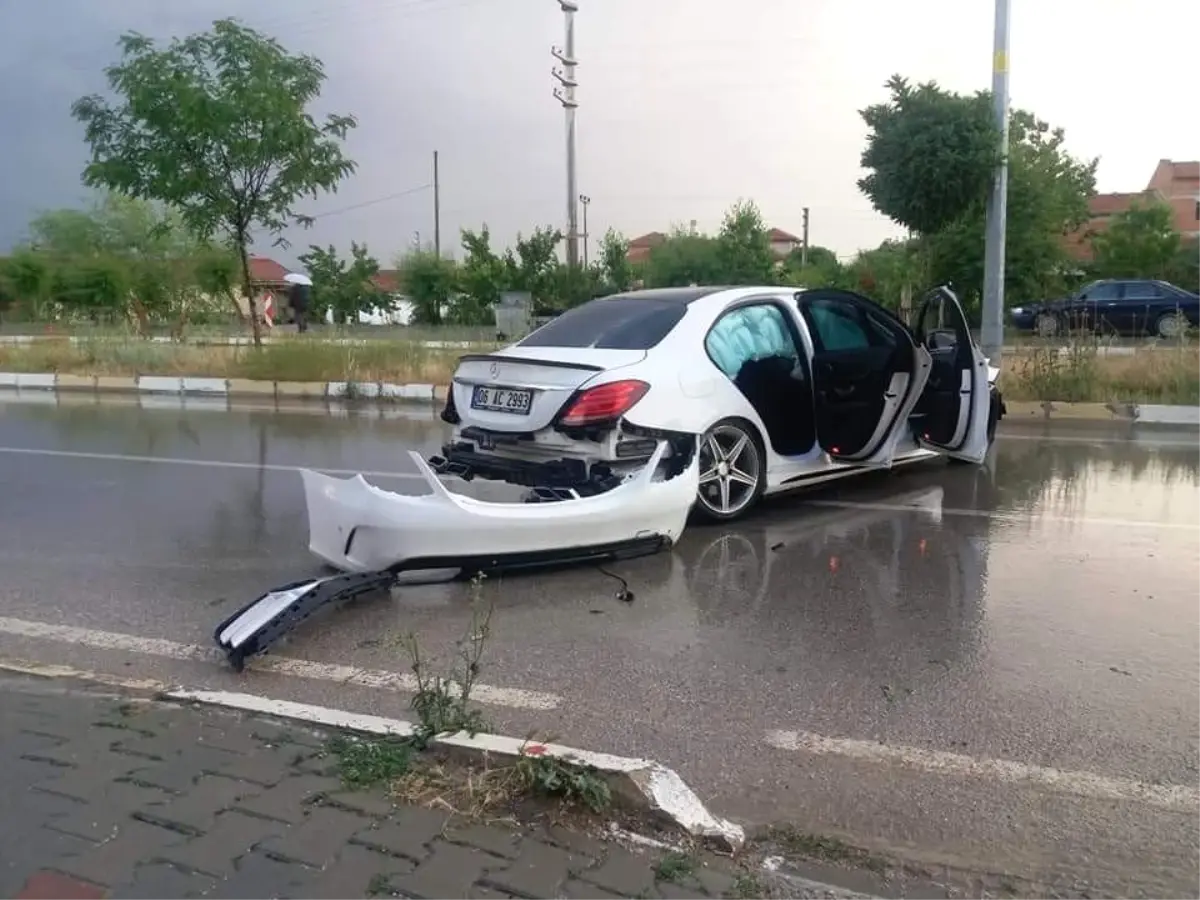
x=851, y=660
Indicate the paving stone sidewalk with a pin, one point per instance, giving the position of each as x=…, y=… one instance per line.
x=103, y=798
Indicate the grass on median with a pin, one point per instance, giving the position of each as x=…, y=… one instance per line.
x=1083, y=372
x=1079, y=372
x=295, y=359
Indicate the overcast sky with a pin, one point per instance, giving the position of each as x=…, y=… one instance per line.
x=685, y=105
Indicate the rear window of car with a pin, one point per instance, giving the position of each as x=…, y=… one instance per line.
x=611, y=323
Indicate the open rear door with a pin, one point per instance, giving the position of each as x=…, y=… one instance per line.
x=952, y=413
x=867, y=375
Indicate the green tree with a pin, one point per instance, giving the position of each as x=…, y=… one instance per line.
x=26, y=278
x=157, y=255
x=430, y=282
x=1048, y=193
x=344, y=287
x=616, y=272
x=534, y=267
x=823, y=269
x=931, y=154
x=744, y=246
x=216, y=125
x=1185, y=267
x=482, y=277
x=684, y=258
x=1140, y=242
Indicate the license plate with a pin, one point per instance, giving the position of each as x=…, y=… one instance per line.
x=505, y=400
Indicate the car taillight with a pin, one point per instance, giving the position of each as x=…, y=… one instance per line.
x=604, y=402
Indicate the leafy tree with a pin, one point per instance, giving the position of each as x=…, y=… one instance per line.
x=147, y=242
x=684, y=258
x=534, y=266
x=1048, y=192
x=1185, y=267
x=1140, y=242
x=217, y=126
x=345, y=287
x=932, y=154
x=822, y=270
x=25, y=276
x=744, y=246
x=482, y=277
x=616, y=272
x=430, y=281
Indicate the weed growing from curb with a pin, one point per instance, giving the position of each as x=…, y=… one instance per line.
x=443, y=702
x=747, y=886
x=675, y=867
x=562, y=779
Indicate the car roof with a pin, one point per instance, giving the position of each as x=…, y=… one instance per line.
x=681, y=295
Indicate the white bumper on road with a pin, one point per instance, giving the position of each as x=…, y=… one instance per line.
x=358, y=527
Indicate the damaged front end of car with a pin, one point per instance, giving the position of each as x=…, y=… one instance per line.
x=373, y=535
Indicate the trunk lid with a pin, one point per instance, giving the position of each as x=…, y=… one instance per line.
x=522, y=388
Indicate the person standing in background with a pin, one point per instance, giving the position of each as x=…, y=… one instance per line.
x=298, y=298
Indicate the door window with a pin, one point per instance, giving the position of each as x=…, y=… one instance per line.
x=1096, y=292
x=840, y=325
x=750, y=333
x=1142, y=290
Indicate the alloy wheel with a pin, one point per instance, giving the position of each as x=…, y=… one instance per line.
x=730, y=471
x=1047, y=325
x=1171, y=326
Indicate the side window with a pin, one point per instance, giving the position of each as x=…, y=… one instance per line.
x=1142, y=290
x=1109, y=291
x=842, y=326
x=748, y=333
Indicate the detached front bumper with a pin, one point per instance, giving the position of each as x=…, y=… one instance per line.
x=373, y=535
x=357, y=527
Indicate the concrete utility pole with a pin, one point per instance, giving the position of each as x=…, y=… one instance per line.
x=565, y=94
x=586, y=201
x=437, y=207
x=804, y=240
x=992, y=337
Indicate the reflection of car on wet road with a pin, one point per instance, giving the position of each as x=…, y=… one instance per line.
x=782, y=388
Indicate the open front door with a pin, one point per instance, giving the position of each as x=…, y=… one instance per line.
x=867, y=375
x=952, y=413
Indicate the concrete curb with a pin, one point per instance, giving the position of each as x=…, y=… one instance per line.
x=1148, y=414
x=170, y=385
x=641, y=781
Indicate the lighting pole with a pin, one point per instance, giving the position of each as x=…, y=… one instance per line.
x=992, y=336
x=586, y=201
x=566, y=96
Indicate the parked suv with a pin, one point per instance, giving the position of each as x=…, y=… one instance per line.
x=1136, y=306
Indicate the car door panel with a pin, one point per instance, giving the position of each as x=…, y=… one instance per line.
x=954, y=405
x=867, y=374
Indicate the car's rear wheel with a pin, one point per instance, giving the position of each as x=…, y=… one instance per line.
x=1047, y=325
x=733, y=471
x=1171, y=326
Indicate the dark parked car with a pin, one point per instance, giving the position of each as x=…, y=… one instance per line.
x=1136, y=306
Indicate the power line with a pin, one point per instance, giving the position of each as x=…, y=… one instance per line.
x=365, y=203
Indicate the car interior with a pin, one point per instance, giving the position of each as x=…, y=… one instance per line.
x=856, y=353
x=756, y=348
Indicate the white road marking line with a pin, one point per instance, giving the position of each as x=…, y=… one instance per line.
x=938, y=762
x=1033, y=518
x=280, y=665
x=213, y=463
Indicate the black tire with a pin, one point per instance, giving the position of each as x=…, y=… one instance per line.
x=726, y=435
